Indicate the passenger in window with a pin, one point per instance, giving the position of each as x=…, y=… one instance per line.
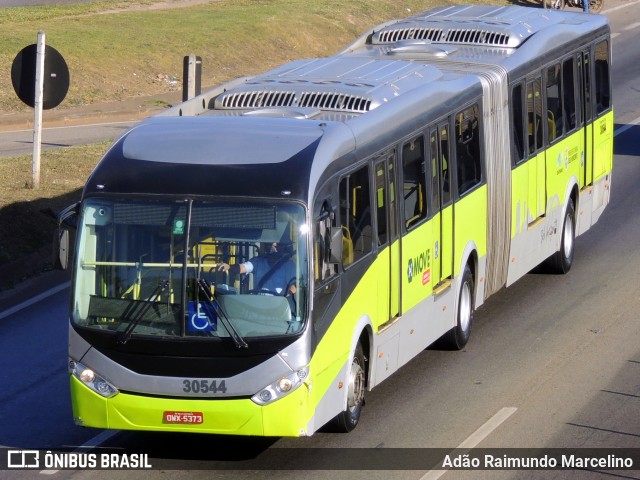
x=274, y=273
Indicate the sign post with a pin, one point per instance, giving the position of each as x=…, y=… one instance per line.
x=37, y=118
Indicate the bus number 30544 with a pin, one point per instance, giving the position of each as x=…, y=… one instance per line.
x=204, y=386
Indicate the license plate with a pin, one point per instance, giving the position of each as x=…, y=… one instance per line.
x=188, y=418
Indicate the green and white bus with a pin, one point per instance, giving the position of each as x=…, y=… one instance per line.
x=397, y=184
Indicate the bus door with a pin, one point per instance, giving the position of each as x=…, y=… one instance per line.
x=584, y=95
x=388, y=237
x=442, y=206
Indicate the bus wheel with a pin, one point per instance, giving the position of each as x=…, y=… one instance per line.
x=458, y=336
x=560, y=262
x=346, y=421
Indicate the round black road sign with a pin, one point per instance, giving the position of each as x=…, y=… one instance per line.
x=56, y=76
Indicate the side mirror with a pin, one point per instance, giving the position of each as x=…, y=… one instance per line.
x=335, y=249
x=61, y=246
x=61, y=242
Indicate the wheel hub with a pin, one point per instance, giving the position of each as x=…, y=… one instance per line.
x=355, y=392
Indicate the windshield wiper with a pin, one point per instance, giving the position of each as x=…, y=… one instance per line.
x=210, y=303
x=125, y=335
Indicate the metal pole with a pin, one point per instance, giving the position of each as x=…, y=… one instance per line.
x=191, y=80
x=37, y=121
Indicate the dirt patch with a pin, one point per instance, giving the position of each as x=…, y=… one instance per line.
x=168, y=5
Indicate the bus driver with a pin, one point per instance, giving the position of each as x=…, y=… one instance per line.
x=273, y=272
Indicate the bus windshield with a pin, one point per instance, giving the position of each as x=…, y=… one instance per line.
x=191, y=269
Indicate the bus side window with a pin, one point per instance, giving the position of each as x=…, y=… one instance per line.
x=601, y=80
x=414, y=182
x=445, y=155
x=534, y=110
x=517, y=122
x=569, y=94
x=587, y=86
x=435, y=172
x=385, y=191
x=468, y=162
x=554, y=103
x=439, y=161
x=355, y=213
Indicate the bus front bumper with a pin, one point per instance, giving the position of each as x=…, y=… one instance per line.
x=125, y=411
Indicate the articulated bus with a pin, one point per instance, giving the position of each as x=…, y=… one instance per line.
x=255, y=259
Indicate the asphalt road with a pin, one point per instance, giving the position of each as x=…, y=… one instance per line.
x=20, y=142
x=554, y=361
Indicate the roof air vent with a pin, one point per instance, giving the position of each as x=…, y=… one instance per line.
x=475, y=36
x=413, y=33
x=260, y=99
x=332, y=100
x=335, y=101
x=460, y=36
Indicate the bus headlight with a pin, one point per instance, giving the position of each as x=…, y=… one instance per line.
x=91, y=379
x=281, y=387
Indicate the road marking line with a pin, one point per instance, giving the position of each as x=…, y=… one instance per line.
x=36, y=299
x=619, y=7
x=485, y=430
x=88, y=445
x=63, y=127
x=476, y=437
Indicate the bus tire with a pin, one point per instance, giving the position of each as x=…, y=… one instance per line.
x=347, y=420
x=458, y=336
x=560, y=262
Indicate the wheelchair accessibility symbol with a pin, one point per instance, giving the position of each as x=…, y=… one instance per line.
x=201, y=319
